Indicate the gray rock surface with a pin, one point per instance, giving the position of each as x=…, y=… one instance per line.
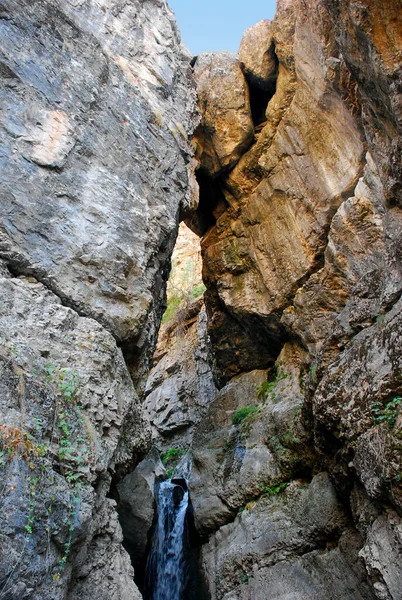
x=180, y=385
x=226, y=129
x=69, y=413
x=136, y=505
x=285, y=546
x=230, y=462
x=95, y=134
x=97, y=105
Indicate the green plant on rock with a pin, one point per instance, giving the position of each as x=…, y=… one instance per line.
x=33, y=481
x=171, y=458
x=246, y=413
x=65, y=382
x=388, y=413
x=268, y=387
x=171, y=308
x=198, y=291
x=274, y=487
x=74, y=500
x=73, y=448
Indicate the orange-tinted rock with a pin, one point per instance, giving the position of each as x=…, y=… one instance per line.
x=257, y=54
x=226, y=130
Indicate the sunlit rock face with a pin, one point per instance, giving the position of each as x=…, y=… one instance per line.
x=278, y=210
x=226, y=129
x=97, y=107
x=301, y=241
x=180, y=384
x=96, y=160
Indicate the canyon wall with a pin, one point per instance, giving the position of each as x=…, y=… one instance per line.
x=284, y=384
x=296, y=479
x=96, y=169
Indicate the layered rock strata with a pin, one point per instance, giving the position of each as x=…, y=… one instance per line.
x=301, y=237
x=97, y=108
x=96, y=155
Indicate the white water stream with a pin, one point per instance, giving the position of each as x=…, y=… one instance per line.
x=165, y=566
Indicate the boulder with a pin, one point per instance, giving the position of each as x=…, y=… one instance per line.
x=226, y=129
x=257, y=55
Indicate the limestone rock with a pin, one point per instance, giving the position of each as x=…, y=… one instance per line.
x=302, y=262
x=233, y=462
x=95, y=134
x=180, y=386
x=230, y=463
x=282, y=196
x=226, y=129
x=136, y=506
x=381, y=555
x=69, y=413
x=107, y=569
x=257, y=54
x=97, y=106
x=367, y=372
x=273, y=549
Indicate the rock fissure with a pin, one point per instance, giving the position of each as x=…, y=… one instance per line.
x=274, y=394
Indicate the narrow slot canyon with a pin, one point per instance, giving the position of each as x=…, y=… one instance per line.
x=200, y=315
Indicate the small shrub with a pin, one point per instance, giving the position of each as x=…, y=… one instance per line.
x=198, y=291
x=267, y=387
x=388, y=413
x=172, y=456
x=274, y=487
x=171, y=309
x=244, y=413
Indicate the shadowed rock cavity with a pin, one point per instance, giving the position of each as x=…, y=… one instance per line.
x=261, y=66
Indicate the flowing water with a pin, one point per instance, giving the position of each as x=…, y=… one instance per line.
x=165, y=570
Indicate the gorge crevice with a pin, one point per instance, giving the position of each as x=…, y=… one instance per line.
x=275, y=388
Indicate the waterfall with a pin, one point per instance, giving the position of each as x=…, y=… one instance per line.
x=165, y=571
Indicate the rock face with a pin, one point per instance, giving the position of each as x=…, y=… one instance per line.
x=180, y=384
x=96, y=167
x=286, y=388
x=286, y=547
x=69, y=413
x=95, y=134
x=301, y=239
x=258, y=56
x=226, y=129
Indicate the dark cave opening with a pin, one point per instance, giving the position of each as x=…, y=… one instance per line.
x=259, y=100
x=261, y=91
x=212, y=203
